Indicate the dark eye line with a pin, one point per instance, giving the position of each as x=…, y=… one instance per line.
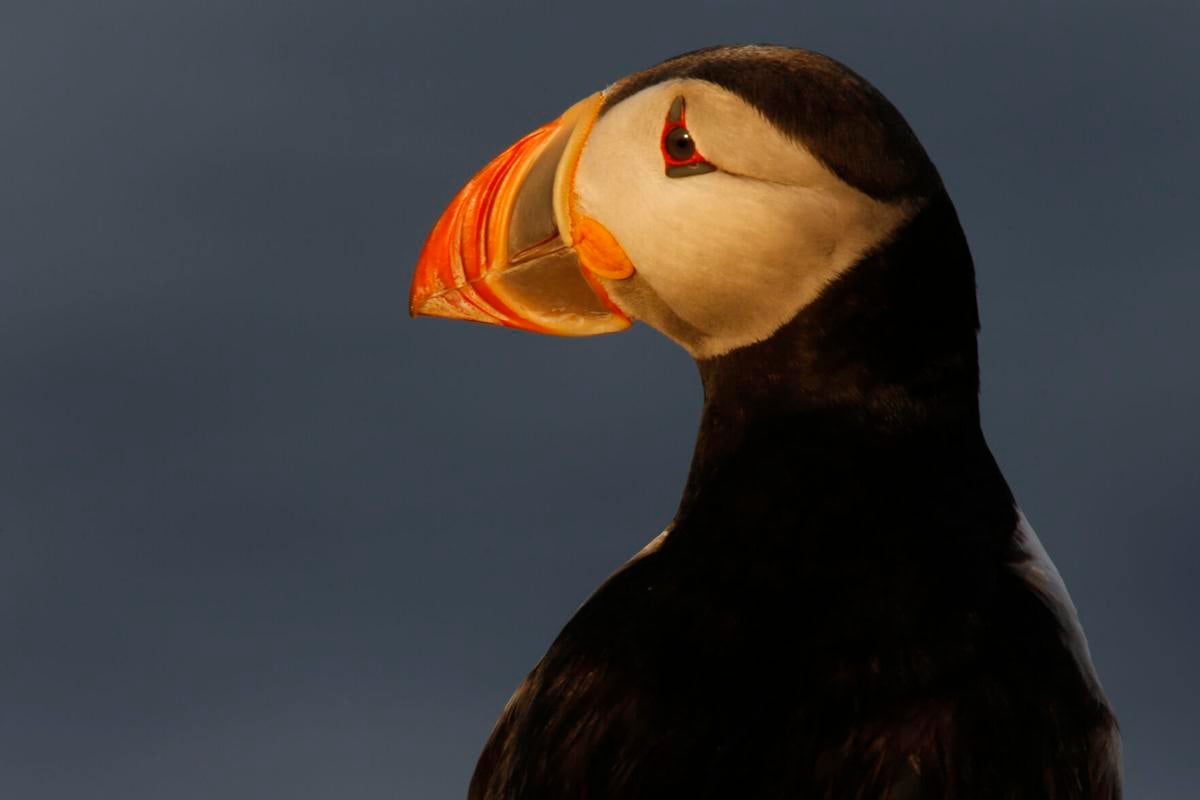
x=680, y=155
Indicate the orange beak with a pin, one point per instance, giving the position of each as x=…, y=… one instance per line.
x=511, y=249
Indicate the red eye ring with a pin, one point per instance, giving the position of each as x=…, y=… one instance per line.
x=679, y=151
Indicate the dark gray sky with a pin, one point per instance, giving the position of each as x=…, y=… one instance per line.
x=262, y=536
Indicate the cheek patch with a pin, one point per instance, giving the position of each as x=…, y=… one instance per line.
x=723, y=259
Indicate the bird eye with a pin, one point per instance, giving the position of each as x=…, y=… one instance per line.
x=679, y=144
x=680, y=154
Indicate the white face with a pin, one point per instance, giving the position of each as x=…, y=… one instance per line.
x=723, y=258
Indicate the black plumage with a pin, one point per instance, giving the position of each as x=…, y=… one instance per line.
x=838, y=609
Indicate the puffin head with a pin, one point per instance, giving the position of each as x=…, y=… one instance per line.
x=714, y=197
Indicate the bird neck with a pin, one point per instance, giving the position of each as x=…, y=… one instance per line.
x=873, y=384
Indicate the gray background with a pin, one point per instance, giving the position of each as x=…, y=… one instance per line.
x=262, y=536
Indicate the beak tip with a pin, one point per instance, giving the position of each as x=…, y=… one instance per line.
x=448, y=304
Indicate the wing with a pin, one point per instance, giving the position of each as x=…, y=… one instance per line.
x=674, y=680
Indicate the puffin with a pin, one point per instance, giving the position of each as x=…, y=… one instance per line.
x=848, y=602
